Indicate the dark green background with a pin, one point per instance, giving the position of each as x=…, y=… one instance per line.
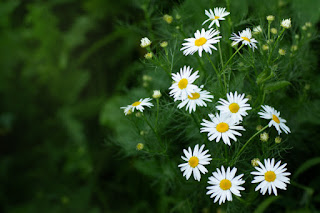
x=60, y=62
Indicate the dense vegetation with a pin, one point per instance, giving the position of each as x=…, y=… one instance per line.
x=66, y=68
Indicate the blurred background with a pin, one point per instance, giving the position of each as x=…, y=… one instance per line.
x=62, y=62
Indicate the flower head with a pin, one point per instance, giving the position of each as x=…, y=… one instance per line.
x=286, y=23
x=224, y=184
x=139, y=146
x=167, y=18
x=148, y=55
x=264, y=137
x=282, y=52
x=278, y=139
x=270, y=18
x=221, y=126
x=246, y=38
x=195, y=162
x=257, y=30
x=203, y=40
x=294, y=48
x=156, y=94
x=274, y=31
x=273, y=115
x=197, y=98
x=164, y=44
x=265, y=47
x=254, y=162
x=216, y=16
x=308, y=24
x=145, y=42
x=271, y=176
x=235, y=106
x=138, y=105
x=182, y=86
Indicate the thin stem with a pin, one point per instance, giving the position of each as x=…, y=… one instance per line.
x=147, y=17
x=154, y=131
x=156, y=62
x=201, y=64
x=269, y=23
x=232, y=56
x=244, y=146
x=219, y=47
x=157, y=113
x=215, y=69
x=275, y=44
x=212, y=64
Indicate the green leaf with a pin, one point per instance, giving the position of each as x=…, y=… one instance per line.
x=264, y=205
x=271, y=87
x=306, y=165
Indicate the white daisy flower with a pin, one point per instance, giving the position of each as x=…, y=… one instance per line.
x=202, y=41
x=221, y=126
x=182, y=86
x=218, y=14
x=286, y=23
x=145, y=42
x=269, y=112
x=246, y=37
x=197, y=98
x=271, y=176
x=138, y=105
x=224, y=184
x=236, y=106
x=257, y=29
x=195, y=162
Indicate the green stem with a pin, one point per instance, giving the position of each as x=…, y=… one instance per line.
x=219, y=47
x=156, y=62
x=147, y=17
x=197, y=122
x=232, y=56
x=275, y=44
x=215, y=69
x=212, y=64
x=157, y=113
x=244, y=146
x=269, y=23
x=201, y=64
x=154, y=131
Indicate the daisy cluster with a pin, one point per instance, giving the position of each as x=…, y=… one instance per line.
x=205, y=39
x=225, y=122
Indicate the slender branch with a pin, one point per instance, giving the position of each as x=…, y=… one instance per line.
x=232, y=56
x=157, y=113
x=275, y=45
x=244, y=146
x=219, y=47
x=154, y=131
x=216, y=70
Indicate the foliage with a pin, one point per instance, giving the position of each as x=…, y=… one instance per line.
x=66, y=68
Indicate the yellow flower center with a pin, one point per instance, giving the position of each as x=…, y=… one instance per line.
x=215, y=17
x=270, y=176
x=200, y=41
x=193, y=161
x=137, y=103
x=222, y=127
x=276, y=119
x=194, y=96
x=183, y=83
x=234, y=107
x=225, y=184
x=245, y=38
